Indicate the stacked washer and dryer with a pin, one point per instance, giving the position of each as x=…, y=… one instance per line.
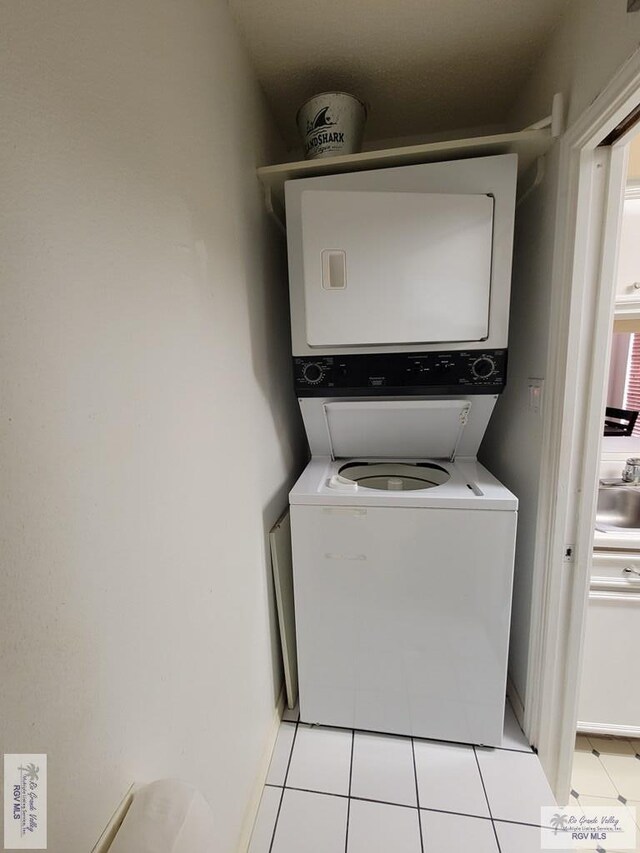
x=403, y=543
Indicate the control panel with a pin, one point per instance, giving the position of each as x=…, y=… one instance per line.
x=470, y=371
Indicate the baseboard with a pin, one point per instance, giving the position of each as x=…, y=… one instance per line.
x=263, y=769
x=106, y=839
x=608, y=729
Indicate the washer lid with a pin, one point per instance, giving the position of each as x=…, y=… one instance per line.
x=395, y=428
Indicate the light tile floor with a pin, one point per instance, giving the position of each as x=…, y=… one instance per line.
x=339, y=791
x=606, y=772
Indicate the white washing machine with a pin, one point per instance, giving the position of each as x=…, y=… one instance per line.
x=403, y=543
x=402, y=573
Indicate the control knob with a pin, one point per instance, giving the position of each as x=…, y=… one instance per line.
x=313, y=373
x=483, y=367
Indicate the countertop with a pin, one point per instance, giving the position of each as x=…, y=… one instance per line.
x=619, y=541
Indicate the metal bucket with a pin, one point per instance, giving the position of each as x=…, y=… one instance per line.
x=331, y=124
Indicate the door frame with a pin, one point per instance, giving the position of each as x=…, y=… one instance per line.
x=589, y=209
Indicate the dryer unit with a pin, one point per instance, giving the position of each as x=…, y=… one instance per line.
x=416, y=258
x=402, y=542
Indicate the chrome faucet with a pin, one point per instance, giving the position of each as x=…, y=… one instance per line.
x=630, y=475
x=631, y=472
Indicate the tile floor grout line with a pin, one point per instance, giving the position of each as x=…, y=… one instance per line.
x=293, y=745
x=321, y=793
x=359, y=799
x=423, y=808
x=519, y=823
x=484, y=789
x=457, y=814
x=613, y=781
x=284, y=783
x=415, y=777
x=405, y=806
x=346, y=835
x=486, y=796
x=275, y=823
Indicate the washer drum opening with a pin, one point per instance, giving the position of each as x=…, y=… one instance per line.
x=395, y=476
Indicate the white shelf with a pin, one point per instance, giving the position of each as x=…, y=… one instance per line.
x=528, y=144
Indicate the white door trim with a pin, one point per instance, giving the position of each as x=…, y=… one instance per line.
x=589, y=204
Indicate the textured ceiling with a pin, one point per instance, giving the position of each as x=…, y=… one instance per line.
x=422, y=66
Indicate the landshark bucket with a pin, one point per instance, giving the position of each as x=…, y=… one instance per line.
x=331, y=124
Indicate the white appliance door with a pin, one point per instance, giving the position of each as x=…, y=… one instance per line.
x=411, y=429
x=402, y=618
x=396, y=267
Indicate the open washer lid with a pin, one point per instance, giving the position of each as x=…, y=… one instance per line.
x=413, y=428
x=440, y=428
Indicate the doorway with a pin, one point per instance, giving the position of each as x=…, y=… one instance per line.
x=605, y=769
x=591, y=201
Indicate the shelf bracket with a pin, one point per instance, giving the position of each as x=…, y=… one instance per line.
x=555, y=121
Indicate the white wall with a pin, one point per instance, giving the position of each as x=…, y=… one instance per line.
x=591, y=44
x=148, y=431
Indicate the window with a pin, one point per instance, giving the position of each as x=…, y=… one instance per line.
x=624, y=374
x=632, y=384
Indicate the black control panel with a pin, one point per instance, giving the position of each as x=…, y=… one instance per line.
x=420, y=373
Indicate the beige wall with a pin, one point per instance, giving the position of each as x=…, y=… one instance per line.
x=149, y=433
x=591, y=44
x=633, y=173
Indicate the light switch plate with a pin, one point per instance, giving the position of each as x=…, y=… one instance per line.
x=536, y=393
